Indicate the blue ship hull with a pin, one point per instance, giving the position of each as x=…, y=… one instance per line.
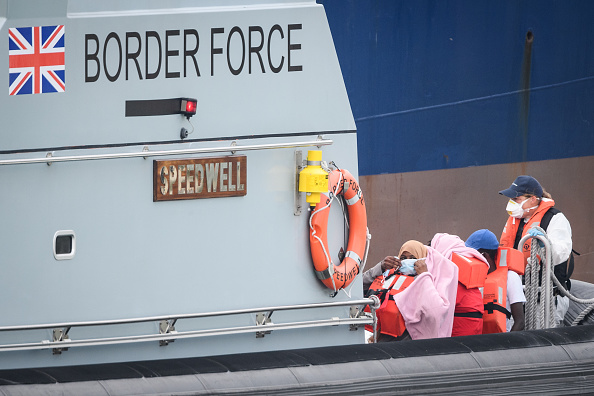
x=452, y=84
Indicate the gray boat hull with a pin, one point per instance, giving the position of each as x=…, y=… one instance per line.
x=553, y=361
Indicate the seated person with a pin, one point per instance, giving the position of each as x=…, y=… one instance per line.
x=423, y=305
x=386, y=279
x=411, y=249
x=468, y=313
x=486, y=243
x=427, y=304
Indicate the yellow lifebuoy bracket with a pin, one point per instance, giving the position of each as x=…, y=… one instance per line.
x=340, y=183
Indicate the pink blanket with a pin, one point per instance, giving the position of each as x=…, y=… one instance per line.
x=447, y=244
x=427, y=305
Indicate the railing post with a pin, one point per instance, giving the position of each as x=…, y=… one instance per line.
x=263, y=319
x=167, y=327
x=60, y=335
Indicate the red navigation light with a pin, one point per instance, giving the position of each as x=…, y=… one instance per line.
x=188, y=107
x=191, y=107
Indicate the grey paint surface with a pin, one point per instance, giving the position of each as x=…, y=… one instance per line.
x=135, y=257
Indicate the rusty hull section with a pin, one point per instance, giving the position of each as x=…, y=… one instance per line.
x=416, y=205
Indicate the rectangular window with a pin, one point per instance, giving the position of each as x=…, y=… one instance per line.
x=64, y=245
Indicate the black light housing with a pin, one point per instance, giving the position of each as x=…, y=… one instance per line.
x=188, y=107
x=156, y=107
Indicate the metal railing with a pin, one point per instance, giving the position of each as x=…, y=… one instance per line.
x=541, y=315
x=167, y=333
x=233, y=148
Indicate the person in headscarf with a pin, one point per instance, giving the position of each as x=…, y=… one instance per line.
x=398, y=273
x=427, y=305
x=413, y=249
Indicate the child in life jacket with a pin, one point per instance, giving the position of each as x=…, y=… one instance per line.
x=503, y=312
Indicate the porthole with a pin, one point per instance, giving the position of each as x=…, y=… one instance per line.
x=64, y=245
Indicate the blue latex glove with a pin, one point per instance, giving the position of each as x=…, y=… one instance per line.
x=534, y=232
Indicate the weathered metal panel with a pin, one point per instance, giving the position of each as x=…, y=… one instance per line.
x=268, y=75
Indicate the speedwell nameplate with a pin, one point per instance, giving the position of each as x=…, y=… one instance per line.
x=194, y=178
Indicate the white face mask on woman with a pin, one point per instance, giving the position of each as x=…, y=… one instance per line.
x=407, y=267
x=516, y=210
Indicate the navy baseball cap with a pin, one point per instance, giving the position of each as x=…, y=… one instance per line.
x=482, y=239
x=523, y=185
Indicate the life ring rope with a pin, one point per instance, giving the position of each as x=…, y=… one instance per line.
x=328, y=272
x=338, y=277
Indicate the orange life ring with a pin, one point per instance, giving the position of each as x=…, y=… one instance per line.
x=335, y=277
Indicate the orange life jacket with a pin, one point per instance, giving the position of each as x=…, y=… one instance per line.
x=508, y=236
x=472, y=272
x=468, y=313
x=495, y=290
x=389, y=319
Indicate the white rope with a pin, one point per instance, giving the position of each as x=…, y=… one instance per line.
x=534, y=297
x=530, y=290
x=581, y=316
x=566, y=293
x=537, y=293
x=535, y=309
x=359, y=272
x=313, y=233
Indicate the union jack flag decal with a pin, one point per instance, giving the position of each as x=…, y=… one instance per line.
x=36, y=60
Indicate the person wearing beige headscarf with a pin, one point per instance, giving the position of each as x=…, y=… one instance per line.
x=410, y=249
x=418, y=296
x=427, y=304
x=395, y=274
x=413, y=249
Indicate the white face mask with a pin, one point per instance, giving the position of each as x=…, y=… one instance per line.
x=407, y=267
x=516, y=210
